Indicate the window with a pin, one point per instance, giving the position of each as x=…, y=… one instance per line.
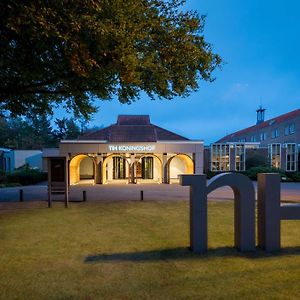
x=119, y=168
x=292, y=128
x=242, y=140
x=147, y=167
x=286, y=130
x=240, y=154
x=275, y=155
x=289, y=129
x=220, y=157
x=275, y=133
x=253, y=139
x=291, y=157
x=263, y=136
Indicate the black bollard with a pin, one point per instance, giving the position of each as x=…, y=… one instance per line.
x=21, y=195
x=142, y=195
x=83, y=196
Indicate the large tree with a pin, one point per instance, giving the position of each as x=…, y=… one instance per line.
x=64, y=52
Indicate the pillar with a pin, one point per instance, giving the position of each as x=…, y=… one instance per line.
x=98, y=171
x=198, y=163
x=165, y=175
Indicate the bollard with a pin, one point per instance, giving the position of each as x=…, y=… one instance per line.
x=83, y=196
x=142, y=195
x=21, y=195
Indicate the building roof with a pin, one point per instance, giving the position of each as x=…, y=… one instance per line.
x=280, y=119
x=133, y=128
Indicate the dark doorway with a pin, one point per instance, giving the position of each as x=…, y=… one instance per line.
x=119, y=168
x=147, y=167
x=57, y=166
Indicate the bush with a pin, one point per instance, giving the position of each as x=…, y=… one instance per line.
x=24, y=177
x=295, y=176
x=252, y=172
x=13, y=184
x=256, y=160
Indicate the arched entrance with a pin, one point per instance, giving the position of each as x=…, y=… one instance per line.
x=82, y=169
x=149, y=168
x=116, y=168
x=179, y=164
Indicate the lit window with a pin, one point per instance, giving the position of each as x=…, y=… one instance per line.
x=240, y=154
x=219, y=157
x=291, y=157
x=275, y=155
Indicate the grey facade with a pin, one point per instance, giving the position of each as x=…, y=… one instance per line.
x=277, y=144
x=282, y=129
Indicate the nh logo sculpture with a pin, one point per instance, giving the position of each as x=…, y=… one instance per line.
x=270, y=212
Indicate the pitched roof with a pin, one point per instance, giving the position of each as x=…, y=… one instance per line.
x=133, y=128
x=277, y=120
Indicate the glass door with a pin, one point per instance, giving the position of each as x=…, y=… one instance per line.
x=119, y=168
x=147, y=167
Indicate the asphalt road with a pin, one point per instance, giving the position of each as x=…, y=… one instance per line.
x=128, y=192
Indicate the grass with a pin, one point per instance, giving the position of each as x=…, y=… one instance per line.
x=136, y=250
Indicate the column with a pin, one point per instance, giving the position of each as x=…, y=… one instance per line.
x=165, y=175
x=98, y=171
x=198, y=162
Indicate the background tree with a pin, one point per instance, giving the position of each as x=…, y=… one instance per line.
x=72, y=52
x=36, y=132
x=66, y=129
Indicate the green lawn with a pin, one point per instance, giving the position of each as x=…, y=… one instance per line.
x=136, y=250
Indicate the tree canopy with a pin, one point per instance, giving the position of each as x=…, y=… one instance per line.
x=37, y=132
x=72, y=53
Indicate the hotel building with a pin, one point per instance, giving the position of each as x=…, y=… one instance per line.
x=133, y=150
x=274, y=142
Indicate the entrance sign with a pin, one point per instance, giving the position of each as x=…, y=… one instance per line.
x=126, y=148
x=58, y=179
x=269, y=210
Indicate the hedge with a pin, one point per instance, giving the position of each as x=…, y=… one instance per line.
x=23, y=177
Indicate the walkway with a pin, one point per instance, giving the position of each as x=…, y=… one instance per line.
x=131, y=192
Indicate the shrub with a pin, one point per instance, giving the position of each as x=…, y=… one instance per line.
x=13, y=184
x=252, y=172
x=24, y=177
x=256, y=160
x=295, y=176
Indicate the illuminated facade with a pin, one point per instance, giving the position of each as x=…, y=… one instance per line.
x=131, y=151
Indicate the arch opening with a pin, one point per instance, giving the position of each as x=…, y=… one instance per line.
x=178, y=165
x=82, y=169
x=116, y=168
x=149, y=168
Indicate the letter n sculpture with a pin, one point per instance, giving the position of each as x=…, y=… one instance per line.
x=244, y=209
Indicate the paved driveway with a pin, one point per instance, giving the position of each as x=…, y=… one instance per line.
x=121, y=192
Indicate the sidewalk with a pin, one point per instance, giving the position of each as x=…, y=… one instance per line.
x=131, y=192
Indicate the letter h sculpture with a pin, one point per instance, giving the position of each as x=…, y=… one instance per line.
x=269, y=210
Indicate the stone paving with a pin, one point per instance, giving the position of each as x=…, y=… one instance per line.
x=131, y=192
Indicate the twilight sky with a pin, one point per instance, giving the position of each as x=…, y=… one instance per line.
x=259, y=41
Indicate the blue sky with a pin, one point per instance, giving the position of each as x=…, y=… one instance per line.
x=259, y=41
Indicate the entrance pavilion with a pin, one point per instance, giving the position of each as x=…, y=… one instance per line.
x=133, y=150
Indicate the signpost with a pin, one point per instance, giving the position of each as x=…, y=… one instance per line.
x=58, y=182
